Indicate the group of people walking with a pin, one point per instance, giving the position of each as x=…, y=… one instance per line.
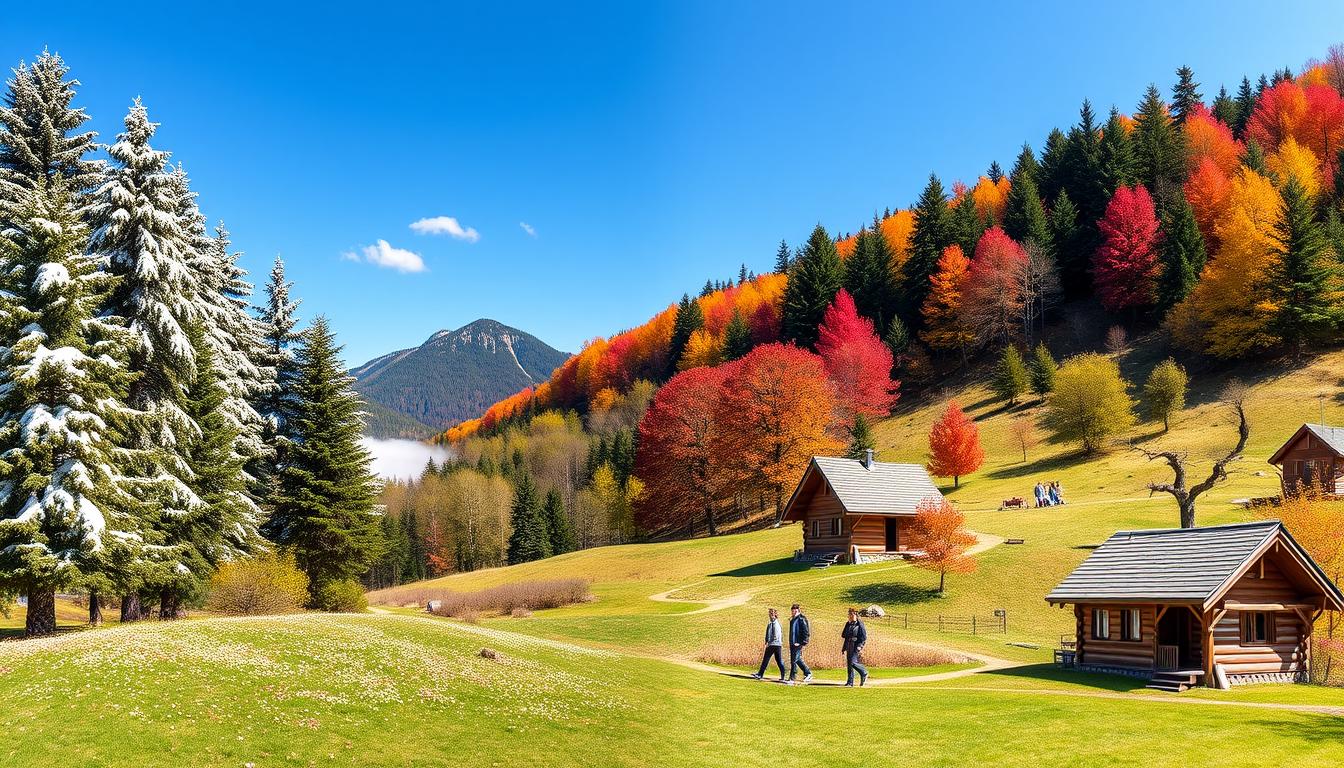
x=855, y=635
x=1048, y=494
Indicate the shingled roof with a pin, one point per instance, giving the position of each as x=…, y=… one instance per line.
x=1333, y=437
x=1176, y=565
x=879, y=488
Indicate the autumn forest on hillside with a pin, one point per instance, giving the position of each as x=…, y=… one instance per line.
x=1212, y=220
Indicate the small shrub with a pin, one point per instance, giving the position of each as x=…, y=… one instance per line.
x=341, y=597
x=1116, y=339
x=469, y=616
x=504, y=600
x=520, y=613
x=266, y=584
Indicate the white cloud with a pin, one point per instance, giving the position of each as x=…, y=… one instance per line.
x=445, y=225
x=383, y=254
x=401, y=459
x=528, y=228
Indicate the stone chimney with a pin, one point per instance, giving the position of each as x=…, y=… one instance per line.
x=868, y=458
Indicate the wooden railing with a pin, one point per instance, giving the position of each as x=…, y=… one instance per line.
x=1168, y=657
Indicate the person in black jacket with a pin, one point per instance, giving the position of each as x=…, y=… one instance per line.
x=800, y=632
x=855, y=636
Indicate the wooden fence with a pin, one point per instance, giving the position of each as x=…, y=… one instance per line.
x=970, y=625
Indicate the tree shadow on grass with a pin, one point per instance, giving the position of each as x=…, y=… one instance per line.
x=889, y=593
x=767, y=568
x=1051, y=672
x=1322, y=728
x=1042, y=467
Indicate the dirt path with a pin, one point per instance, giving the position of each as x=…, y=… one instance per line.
x=984, y=541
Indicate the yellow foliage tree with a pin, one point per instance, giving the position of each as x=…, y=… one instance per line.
x=1228, y=313
x=1294, y=161
x=701, y=349
x=897, y=229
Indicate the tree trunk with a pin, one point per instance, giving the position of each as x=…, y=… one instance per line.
x=942, y=582
x=95, y=610
x=130, y=608
x=956, y=481
x=169, y=604
x=709, y=519
x=41, y=619
x=1187, y=506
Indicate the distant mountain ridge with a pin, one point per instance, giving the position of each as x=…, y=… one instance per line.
x=454, y=375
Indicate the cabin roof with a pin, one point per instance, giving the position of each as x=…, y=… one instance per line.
x=1332, y=437
x=882, y=488
x=1179, y=565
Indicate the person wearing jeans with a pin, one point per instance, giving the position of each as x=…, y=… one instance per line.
x=854, y=635
x=774, y=647
x=800, y=632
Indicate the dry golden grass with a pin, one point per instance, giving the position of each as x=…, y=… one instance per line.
x=824, y=652
x=518, y=599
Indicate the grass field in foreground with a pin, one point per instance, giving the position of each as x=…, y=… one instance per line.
x=379, y=690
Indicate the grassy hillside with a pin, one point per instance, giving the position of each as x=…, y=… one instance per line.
x=397, y=690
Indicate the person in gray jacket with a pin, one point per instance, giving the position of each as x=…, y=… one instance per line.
x=800, y=632
x=774, y=645
x=855, y=636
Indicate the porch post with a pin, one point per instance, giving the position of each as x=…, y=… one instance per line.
x=1207, y=649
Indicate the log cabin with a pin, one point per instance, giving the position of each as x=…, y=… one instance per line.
x=1222, y=605
x=1314, y=455
x=856, y=511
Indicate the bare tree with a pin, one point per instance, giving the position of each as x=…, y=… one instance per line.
x=1039, y=281
x=1234, y=394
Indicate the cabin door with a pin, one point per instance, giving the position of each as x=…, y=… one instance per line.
x=1174, y=647
x=893, y=534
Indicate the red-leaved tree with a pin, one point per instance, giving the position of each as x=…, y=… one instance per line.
x=675, y=458
x=856, y=360
x=994, y=295
x=773, y=416
x=954, y=445
x=939, y=535
x=1126, y=265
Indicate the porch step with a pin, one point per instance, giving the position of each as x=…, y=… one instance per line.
x=1174, y=682
x=826, y=562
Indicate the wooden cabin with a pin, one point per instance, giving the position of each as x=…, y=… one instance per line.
x=1313, y=455
x=1222, y=605
x=857, y=511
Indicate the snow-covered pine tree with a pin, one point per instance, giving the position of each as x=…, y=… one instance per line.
x=275, y=402
x=61, y=385
x=323, y=509
x=140, y=236
x=39, y=134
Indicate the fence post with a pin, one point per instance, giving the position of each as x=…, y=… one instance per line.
x=907, y=619
x=972, y=624
x=940, y=622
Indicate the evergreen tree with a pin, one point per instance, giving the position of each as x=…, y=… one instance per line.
x=1082, y=168
x=1185, y=95
x=1246, y=99
x=708, y=289
x=783, y=258
x=1117, y=155
x=1011, y=379
x=897, y=337
x=995, y=173
x=742, y=274
x=1303, y=282
x=1071, y=246
x=1050, y=174
x=1158, y=146
x=868, y=277
x=1254, y=158
x=40, y=135
x=736, y=338
x=861, y=438
x=1042, y=369
x=1026, y=167
x=933, y=232
x=966, y=224
x=689, y=319
x=60, y=407
x=1024, y=217
x=1224, y=108
x=813, y=283
x=413, y=566
x=324, y=504
x=1182, y=253
x=529, y=539
x=559, y=531
x=274, y=402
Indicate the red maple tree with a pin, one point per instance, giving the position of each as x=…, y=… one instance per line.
x=994, y=293
x=1126, y=265
x=954, y=445
x=856, y=360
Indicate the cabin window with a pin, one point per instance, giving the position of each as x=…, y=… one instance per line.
x=835, y=526
x=1257, y=628
x=816, y=529
x=1101, y=624
x=1131, y=627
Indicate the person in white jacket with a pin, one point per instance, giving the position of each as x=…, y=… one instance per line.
x=774, y=647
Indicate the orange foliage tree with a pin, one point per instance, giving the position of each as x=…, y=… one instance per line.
x=857, y=361
x=774, y=416
x=954, y=445
x=939, y=535
x=1206, y=190
x=945, y=326
x=1207, y=137
x=1318, y=525
x=897, y=229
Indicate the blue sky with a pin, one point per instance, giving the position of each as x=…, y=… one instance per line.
x=648, y=145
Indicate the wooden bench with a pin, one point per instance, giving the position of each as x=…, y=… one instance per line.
x=1014, y=503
